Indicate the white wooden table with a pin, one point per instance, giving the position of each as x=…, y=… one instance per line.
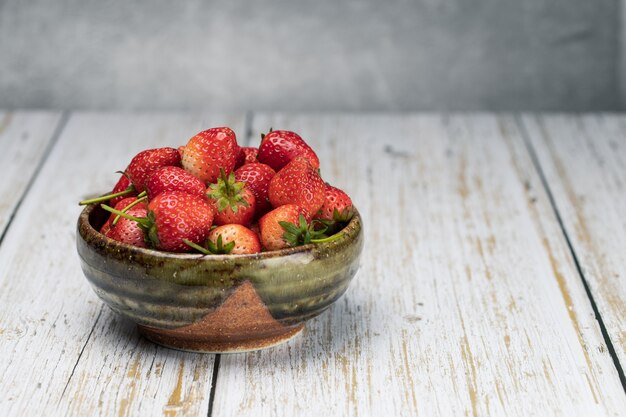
x=493, y=279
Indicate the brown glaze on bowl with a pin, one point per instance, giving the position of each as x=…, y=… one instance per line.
x=217, y=303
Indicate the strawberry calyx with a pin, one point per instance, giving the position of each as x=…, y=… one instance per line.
x=147, y=224
x=153, y=237
x=344, y=216
x=218, y=248
x=304, y=233
x=339, y=221
x=227, y=192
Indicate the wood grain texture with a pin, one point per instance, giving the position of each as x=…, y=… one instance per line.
x=468, y=301
x=63, y=352
x=584, y=162
x=24, y=138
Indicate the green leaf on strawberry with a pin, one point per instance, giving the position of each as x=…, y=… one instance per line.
x=153, y=236
x=227, y=192
x=218, y=248
x=304, y=233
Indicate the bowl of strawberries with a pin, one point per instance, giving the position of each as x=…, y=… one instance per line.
x=211, y=247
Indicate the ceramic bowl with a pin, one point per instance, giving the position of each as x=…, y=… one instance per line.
x=217, y=303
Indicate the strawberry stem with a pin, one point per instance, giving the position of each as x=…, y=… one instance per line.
x=107, y=197
x=128, y=207
x=328, y=239
x=143, y=221
x=197, y=247
x=227, y=189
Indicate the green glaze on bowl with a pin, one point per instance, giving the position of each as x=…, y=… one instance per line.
x=217, y=303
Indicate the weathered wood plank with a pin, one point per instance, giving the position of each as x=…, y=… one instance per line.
x=50, y=316
x=24, y=138
x=584, y=162
x=468, y=301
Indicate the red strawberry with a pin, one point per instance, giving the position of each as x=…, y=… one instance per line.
x=173, y=179
x=122, y=206
x=129, y=231
x=272, y=232
x=257, y=177
x=337, y=206
x=298, y=183
x=232, y=200
x=145, y=162
x=172, y=218
x=279, y=147
x=210, y=150
x=177, y=215
x=234, y=239
x=247, y=155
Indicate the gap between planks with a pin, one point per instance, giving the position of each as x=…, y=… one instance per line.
x=548, y=190
x=61, y=126
x=247, y=142
x=82, y=350
x=216, y=363
x=476, y=362
x=100, y=316
x=56, y=133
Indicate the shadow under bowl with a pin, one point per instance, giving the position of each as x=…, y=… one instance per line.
x=217, y=303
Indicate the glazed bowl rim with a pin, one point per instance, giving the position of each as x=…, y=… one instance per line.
x=350, y=232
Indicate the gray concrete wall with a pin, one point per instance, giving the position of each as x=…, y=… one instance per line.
x=622, y=55
x=310, y=55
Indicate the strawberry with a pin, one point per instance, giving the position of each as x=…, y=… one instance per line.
x=129, y=231
x=210, y=150
x=172, y=218
x=134, y=178
x=241, y=212
x=302, y=233
x=257, y=177
x=337, y=206
x=145, y=162
x=247, y=155
x=177, y=216
x=279, y=147
x=234, y=239
x=123, y=205
x=286, y=226
x=173, y=179
x=232, y=200
x=272, y=232
x=298, y=183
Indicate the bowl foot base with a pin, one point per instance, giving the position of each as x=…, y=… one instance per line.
x=221, y=345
